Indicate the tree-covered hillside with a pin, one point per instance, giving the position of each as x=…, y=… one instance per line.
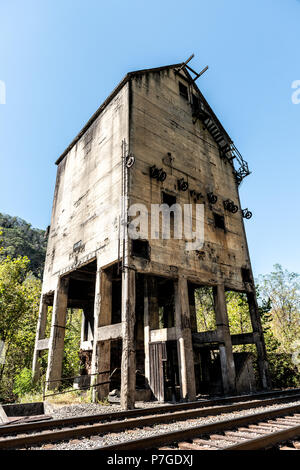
x=19, y=238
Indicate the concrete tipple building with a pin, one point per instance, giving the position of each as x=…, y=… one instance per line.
x=154, y=140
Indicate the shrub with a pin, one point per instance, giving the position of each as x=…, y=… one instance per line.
x=283, y=372
x=23, y=382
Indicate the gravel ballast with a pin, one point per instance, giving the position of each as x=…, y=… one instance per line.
x=130, y=434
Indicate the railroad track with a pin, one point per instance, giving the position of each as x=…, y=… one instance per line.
x=252, y=432
x=38, y=433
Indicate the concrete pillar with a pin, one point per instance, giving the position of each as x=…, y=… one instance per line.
x=225, y=347
x=101, y=349
x=184, y=340
x=128, y=368
x=57, y=335
x=40, y=334
x=259, y=342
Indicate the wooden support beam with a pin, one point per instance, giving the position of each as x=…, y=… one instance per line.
x=146, y=330
x=57, y=335
x=205, y=337
x=205, y=359
x=225, y=348
x=128, y=367
x=243, y=338
x=259, y=342
x=185, y=63
x=150, y=318
x=109, y=332
x=87, y=325
x=193, y=315
x=95, y=355
x=86, y=345
x=215, y=337
x=162, y=335
x=3, y=417
x=101, y=346
x=42, y=344
x=200, y=73
x=40, y=335
x=184, y=340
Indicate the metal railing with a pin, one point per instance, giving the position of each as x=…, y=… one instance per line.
x=46, y=382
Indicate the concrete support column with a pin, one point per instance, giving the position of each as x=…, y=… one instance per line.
x=40, y=334
x=57, y=335
x=225, y=347
x=101, y=349
x=128, y=368
x=259, y=341
x=184, y=340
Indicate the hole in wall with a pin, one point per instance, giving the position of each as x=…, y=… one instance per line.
x=140, y=249
x=183, y=91
x=219, y=221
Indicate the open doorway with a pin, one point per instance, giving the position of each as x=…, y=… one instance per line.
x=80, y=323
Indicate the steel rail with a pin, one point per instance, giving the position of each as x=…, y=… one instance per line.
x=117, y=415
x=268, y=440
x=131, y=423
x=153, y=442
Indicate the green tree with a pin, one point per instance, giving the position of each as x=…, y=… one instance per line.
x=279, y=308
x=20, y=292
x=205, y=312
x=279, y=298
x=20, y=239
x=71, y=360
x=238, y=313
x=282, y=289
x=19, y=299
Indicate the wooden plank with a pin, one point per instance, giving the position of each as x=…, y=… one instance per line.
x=184, y=340
x=3, y=418
x=128, y=365
x=109, y=332
x=164, y=334
x=42, y=344
x=225, y=348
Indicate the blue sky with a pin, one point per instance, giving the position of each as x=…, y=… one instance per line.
x=60, y=59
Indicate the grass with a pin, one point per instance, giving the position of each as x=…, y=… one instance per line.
x=70, y=398
x=31, y=397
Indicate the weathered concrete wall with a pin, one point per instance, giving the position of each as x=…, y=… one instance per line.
x=162, y=122
x=86, y=202
x=24, y=409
